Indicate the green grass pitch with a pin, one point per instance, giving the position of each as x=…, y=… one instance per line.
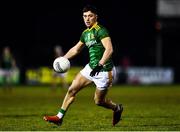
x=145, y=108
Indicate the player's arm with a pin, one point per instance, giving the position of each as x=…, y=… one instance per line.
x=107, y=54
x=108, y=50
x=74, y=50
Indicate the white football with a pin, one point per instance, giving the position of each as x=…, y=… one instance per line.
x=61, y=65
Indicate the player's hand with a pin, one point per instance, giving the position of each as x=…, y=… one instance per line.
x=96, y=70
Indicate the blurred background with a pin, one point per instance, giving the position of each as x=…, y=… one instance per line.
x=145, y=36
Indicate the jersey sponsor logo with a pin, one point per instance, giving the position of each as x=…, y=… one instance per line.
x=90, y=40
x=90, y=43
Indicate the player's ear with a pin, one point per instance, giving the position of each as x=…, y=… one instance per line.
x=96, y=17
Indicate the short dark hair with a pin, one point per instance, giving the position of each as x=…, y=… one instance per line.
x=91, y=8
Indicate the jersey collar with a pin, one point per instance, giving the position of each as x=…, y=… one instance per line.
x=95, y=24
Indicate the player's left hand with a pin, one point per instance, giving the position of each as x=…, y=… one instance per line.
x=96, y=70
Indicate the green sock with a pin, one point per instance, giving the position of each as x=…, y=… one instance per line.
x=62, y=111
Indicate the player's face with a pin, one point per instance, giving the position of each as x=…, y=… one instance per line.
x=89, y=18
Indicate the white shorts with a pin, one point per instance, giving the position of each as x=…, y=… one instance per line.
x=102, y=81
x=5, y=72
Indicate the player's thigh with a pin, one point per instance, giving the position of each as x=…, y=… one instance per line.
x=79, y=82
x=100, y=94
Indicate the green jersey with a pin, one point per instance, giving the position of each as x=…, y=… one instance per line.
x=7, y=62
x=92, y=38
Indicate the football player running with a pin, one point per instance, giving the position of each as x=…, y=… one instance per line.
x=97, y=71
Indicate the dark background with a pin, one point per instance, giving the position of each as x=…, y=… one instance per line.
x=32, y=29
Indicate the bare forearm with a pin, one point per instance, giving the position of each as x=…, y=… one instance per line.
x=71, y=53
x=108, y=50
x=74, y=50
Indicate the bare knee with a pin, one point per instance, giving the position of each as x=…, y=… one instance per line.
x=72, y=92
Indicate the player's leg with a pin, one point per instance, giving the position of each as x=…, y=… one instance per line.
x=54, y=82
x=101, y=100
x=64, y=82
x=103, y=81
x=7, y=80
x=78, y=83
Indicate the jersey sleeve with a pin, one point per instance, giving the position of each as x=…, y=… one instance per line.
x=103, y=33
x=82, y=38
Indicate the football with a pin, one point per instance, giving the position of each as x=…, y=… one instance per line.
x=61, y=65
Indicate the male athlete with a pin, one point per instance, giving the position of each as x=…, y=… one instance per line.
x=97, y=71
x=8, y=67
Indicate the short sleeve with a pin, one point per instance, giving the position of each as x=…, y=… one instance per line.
x=82, y=38
x=103, y=33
